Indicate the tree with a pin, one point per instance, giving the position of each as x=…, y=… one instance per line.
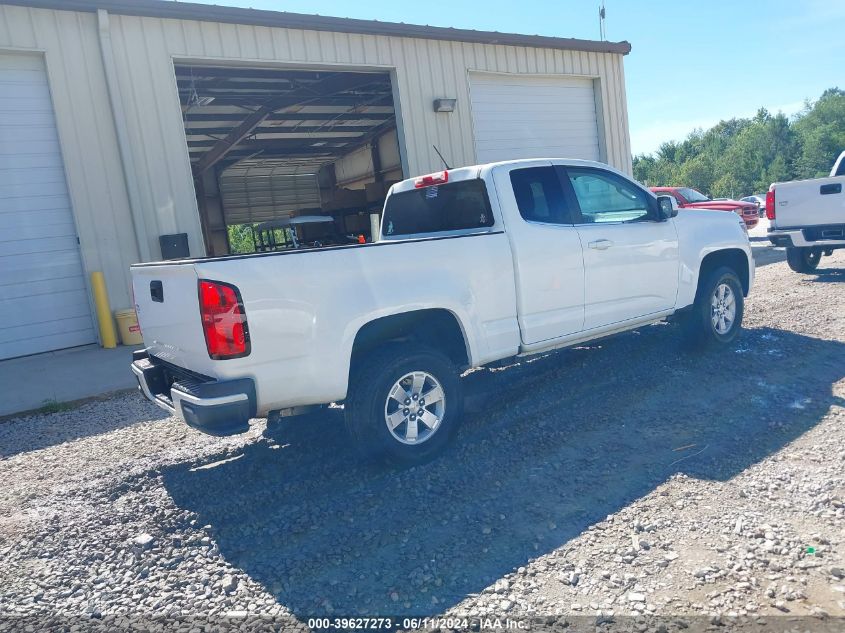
x=698, y=172
x=822, y=130
x=241, y=239
x=740, y=157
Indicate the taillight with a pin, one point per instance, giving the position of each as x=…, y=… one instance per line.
x=770, y=204
x=223, y=320
x=437, y=178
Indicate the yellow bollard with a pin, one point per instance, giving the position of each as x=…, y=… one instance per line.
x=108, y=337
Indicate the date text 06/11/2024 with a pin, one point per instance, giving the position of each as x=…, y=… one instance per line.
x=419, y=624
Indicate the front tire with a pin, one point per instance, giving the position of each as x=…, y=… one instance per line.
x=716, y=315
x=404, y=403
x=803, y=259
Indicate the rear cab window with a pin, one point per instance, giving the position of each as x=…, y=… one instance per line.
x=454, y=206
x=540, y=196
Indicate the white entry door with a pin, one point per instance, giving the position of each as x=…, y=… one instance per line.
x=43, y=298
x=519, y=116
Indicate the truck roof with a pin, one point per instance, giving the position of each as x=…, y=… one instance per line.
x=470, y=172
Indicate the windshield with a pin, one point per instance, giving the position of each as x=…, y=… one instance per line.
x=692, y=195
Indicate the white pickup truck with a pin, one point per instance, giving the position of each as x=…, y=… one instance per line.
x=473, y=266
x=808, y=217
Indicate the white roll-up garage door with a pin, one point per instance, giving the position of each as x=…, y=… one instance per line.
x=518, y=116
x=43, y=299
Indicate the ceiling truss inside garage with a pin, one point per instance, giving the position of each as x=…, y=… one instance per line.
x=302, y=117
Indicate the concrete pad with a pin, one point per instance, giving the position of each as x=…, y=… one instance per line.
x=62, y=376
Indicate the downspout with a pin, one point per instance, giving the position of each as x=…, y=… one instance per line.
x=127, y=162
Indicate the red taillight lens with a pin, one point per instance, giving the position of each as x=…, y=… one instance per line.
x=437, y=178
x=223, y=320
x=770, y=204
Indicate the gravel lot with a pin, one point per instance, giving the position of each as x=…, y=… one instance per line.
x=622, y=478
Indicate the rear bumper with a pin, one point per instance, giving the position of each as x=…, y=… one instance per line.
x=216, y=407
x=810, y=236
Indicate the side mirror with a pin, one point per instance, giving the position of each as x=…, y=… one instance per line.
x=667, y=207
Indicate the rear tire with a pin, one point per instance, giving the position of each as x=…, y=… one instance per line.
x=383, y=412
x=716, y=315
x=803, y=259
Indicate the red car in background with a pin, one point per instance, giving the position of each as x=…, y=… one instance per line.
x=689, y=198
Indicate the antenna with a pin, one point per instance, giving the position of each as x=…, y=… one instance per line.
x=602, y=26
x=441, y=156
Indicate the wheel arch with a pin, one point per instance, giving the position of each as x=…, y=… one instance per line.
x=733, y=258
x=437, y=328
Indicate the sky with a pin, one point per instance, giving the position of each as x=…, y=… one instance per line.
x=692, y=63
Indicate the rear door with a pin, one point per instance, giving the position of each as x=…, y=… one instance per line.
x=630, y=258
x=546, y=250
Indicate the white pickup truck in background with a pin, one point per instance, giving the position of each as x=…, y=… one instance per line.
x=808, y=217
x=474, y=265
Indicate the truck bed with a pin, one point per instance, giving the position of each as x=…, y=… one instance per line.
x=806, y=203
x=304, y=308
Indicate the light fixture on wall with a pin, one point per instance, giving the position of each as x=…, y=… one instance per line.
x=444, y=105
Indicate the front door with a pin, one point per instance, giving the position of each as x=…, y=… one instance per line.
x=630, y=257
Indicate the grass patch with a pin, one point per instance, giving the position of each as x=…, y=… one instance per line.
x=54, y=406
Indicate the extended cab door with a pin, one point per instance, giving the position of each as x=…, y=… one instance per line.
x=630, y=256
x=546, y=250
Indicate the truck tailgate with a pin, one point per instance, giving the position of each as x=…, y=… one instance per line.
x=167, y=302
x=810, y=202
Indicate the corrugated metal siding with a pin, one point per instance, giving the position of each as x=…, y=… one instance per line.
x=144, y=49
x=86, y=136
x=356, y=169
x=424, y=70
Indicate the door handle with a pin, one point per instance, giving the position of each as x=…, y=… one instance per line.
x=600, y=244
x=156, y=291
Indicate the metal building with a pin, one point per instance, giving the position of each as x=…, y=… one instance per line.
x=132, y=126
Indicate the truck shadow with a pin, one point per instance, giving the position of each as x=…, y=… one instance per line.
x=765, y=254
x=829, y=275
x=549, y=447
